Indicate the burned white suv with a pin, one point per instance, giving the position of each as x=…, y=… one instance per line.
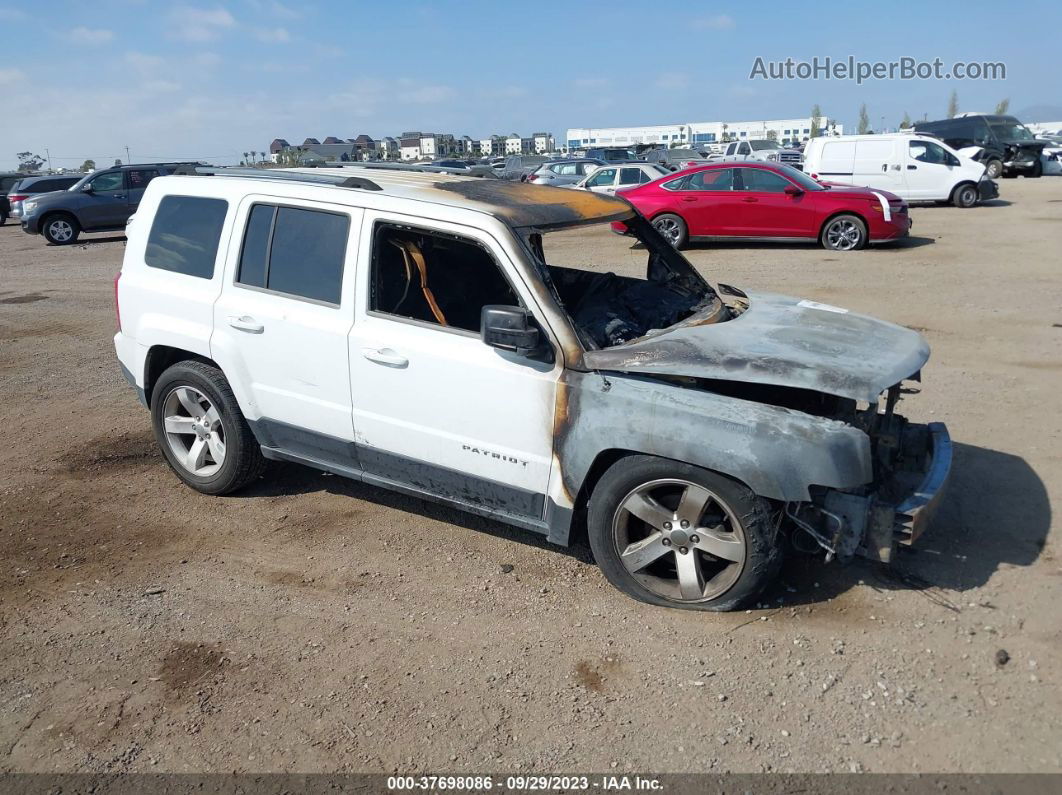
x=415, y=331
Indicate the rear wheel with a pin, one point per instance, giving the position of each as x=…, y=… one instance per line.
x=1037, y=170
x=3, y=217
x=964, y=196
x=844, y=233
x=994, y=168
x=677, y=535
x=60, y=230
x=673, y=228
x=201, y=430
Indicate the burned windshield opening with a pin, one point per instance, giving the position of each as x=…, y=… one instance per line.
x=609, y=308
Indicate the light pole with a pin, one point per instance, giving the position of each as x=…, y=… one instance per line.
x=48, y=155
x=127, y=155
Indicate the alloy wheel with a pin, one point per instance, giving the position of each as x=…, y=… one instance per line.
x=843, y=235
x=669, y=228
x=61, y=230
x=679, y=540
x=194, y=431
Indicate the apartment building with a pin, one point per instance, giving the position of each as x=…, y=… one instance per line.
x=690, y=134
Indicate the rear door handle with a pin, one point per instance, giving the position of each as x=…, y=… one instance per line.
x=385, y=356
x=246, y=323
x=750, y=199
x=689, y=198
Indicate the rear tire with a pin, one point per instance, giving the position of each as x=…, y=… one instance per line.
x=844, y=233
x=994, y=168
x=638, y=539
x=201, y=431
x=673, y=228
x=60, y=229
x=3, y=218
x=1037, y=170
x=964, y=196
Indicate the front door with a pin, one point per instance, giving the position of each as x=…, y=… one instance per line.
x=282, y=321
x=602, y=181
x=435, y=409
x=930, y=170
x=768, y=211
x=107, y=204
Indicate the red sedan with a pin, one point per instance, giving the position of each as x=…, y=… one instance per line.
x=762, y=201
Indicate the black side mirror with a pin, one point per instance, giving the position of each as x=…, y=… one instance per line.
x=509, y=328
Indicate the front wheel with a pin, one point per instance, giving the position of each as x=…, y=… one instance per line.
x=994, y=168
x=844, y=233
x=201, y=430
x=677, y=535
x=673, y=229
x=60, y=230
x=964, y=196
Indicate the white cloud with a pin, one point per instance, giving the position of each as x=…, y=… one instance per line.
x=274, y=9
x=161, y=86
x=144, y=63
x=416, y=94
x=591, y=82
x=717, y=22
x=272, y=35
x=83, y=35
x=672, y=81
x=199, y=24
x=11, y=76
x=206, y=59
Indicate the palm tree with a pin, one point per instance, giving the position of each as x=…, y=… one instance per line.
x=245, y=158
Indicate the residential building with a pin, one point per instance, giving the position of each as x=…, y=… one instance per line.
x=543, y=142
x=387, y=148
x=691, y=134
x=411, y=145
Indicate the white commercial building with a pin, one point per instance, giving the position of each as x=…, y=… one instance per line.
x=692, y=134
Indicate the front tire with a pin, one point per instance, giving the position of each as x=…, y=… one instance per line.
x=994, y=168
x=201, y=431
x=844, y=233
x=964, y=196
x=676, y=535
x=60, y=229
x=673, y=229
x=1037, y=170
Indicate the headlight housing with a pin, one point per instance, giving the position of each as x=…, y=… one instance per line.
x=772, y=156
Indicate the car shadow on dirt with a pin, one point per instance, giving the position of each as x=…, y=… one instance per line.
x=92, y=241
x=996, y=512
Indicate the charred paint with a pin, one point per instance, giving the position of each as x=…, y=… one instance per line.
x=522, y=204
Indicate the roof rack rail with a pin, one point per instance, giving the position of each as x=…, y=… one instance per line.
x=338, y=180
x=422, y=168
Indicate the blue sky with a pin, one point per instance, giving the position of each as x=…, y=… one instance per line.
x=214, y=79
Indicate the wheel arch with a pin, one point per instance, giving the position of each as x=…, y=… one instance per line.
x=161, y=357
x=837, y=213
x=961, y=184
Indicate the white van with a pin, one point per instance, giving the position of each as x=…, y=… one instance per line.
x=918, y=168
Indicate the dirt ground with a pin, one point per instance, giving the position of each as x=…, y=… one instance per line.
x=315, y=624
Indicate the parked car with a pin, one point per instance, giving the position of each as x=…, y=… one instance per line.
x=918, y=168
x=765, y=150
x=7, y=181
x=98, y=202
x=767, y=202
x=1052, y=154
x=564, y=172
x=517, y=167
x=31, y=186
x=611, y=154
x=675, y=159
x=617, y=177
x=1010, y=148
x=691, y=430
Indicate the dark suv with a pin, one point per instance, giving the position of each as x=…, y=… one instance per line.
x=1010, y=148
x=99, y=202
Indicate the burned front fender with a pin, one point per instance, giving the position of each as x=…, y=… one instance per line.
x=779, y=453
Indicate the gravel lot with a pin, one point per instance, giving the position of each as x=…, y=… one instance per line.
x=315, y=624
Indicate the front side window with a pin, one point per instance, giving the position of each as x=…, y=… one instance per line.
x=184, y=235
x=600, y=179
x=295, y=251
x=743, y=149
x=712, y=179
x=108, y=182
x=434, y=277
x=928, y=152
x=763, y=181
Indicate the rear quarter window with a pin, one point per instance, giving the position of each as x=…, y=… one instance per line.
x=184, y=235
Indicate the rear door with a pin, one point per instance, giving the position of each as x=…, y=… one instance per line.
x=709, y=204
x=835, y=163
x=136, y=179
x=879, y=164
x=282, y=320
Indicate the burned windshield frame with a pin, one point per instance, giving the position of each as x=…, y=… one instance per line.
x=658, y=250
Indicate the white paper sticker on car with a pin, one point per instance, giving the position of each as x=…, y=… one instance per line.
x=824, y=307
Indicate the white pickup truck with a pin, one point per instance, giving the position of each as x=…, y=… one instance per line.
x=765, y=150
x=420, y=332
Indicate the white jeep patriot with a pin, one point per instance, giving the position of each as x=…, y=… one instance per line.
x=413, y=330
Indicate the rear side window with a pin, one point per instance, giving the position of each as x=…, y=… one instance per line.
x=184, y=235
x=295, y=251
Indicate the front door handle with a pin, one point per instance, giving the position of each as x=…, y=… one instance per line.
x=385, y=356
x=912, y=168
x=246, y=323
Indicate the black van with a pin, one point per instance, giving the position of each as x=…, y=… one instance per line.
x=1010, y=148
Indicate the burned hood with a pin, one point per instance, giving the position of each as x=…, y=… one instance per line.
x=781, y=341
